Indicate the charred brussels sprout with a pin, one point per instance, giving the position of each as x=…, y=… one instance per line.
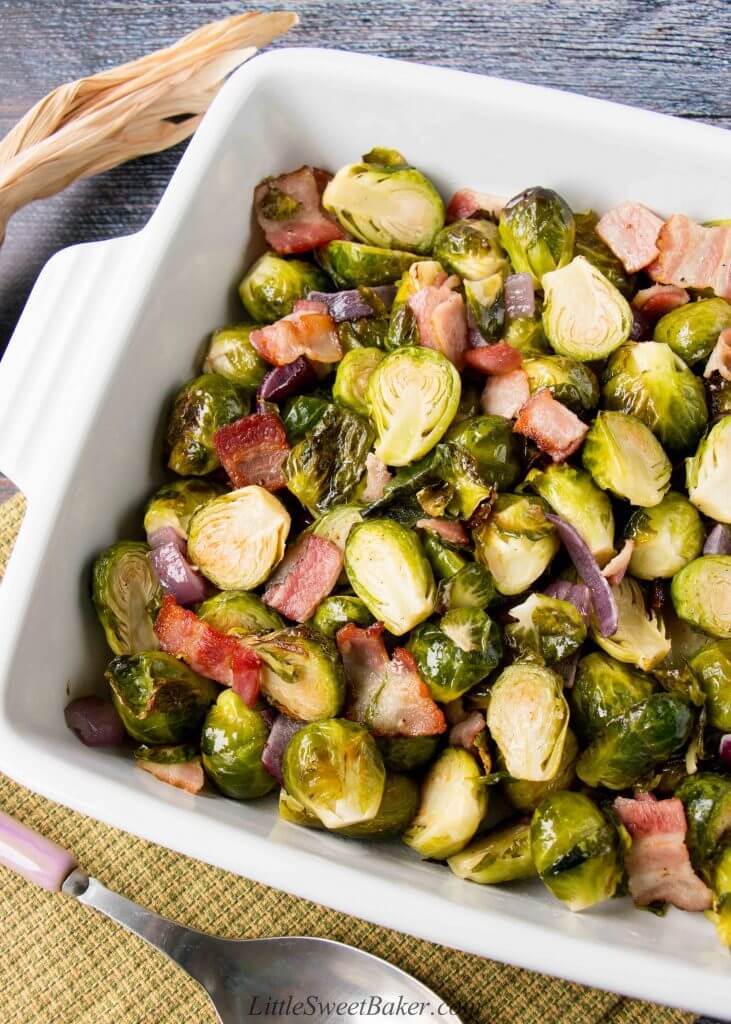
x=158, y=698
x=589, y=245
x=271, y=287
x=572, y=383
x=237, y=539
x=302, y=414
x=352, y=265
x=584, y=316
x=470, y=248
x=334, y=769
x=701, y=594
x=453, y=804
x=240, y=611
x=456, y=652
x=232, y=742
x=666, y=537
x=712, y=668
x=335, y=612
x=127, y=596
x=493, y=446
x=575, y=850
x=199, y=409
x=537, y=229
x=634, y=742
x=517, y=543
x=708, y=473
x=351, y=380
x=640, y=638
x=602, y=690
x=647, y=380
x=544, y=629
x=692, y=330
x=526, y=796
x=407, y=753
x=486, y=305
x=471, y=587
x=625, y=457
x=399, y=804
x=173, y=504
x=502, y=856
x=302, y=674
x=231, y=355
x=573, y=495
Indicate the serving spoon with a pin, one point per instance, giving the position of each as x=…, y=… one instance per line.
x=285, y=978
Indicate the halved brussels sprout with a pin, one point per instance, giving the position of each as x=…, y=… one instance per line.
x=573, y=495
x=526, y=796
x=456, y=652
x=647, y=380
x=471, y=248
x=335, y=612
x=528, y=718
x=537, y=228
x=444, y=560
x=172, y=505
x=394, y=206
x=706, y=798
x=544, y=629
x=708, y=473
x=604, y=688
x=634, y=742
x=272, y=285
x=351, y=380
x=352, y=265
x=517, y=543
x=291, y=810
x=526, y=334
x=336, y=524
x=413, y=396
x=502, y=856
x=584, y=316
x=334, y=769
x=692, y=330
x=231, y=354
x=588, y=244
x=575, y=850
x=494, y=447
x=127, y=596
x=471, y=587
x=486, y=305
x=712, y=668
x=301, y=414
x=158, y=698
x=239, y=610
x=199, y=409
x=388, y=571
x=625, y=457
x=701, y=594
x=398, y=807
x=666, y=537
x=407, y=753
x=238, y=538
x=641, y=638
x=572, y=383
x=232, y=742
x=453, y=804
x=302, y=674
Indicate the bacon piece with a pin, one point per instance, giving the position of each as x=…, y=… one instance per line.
x=466, y=202
x=449, y=530
x=307, y=573
x=494, y=359
x=658, y=864
x=227, y=659
x=659, y=299
x=441, y=320
x=554, y=428
x=631, y=230
x=377, y=476
x=616, y=567
x=253, y=450
x=305, y=333
x=719, y=360
x=386, y=694
x=289, y=211
x=464, y=733
x=504, y=395
x=187, y=775
x=692, y=256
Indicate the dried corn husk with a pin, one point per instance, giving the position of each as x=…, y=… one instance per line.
x=95, y=123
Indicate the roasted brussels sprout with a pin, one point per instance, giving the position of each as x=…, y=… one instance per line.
x=453, y=804
x=445, y=561
x=293, y=811
x=527, y=335
x=712, y=668
x=537, y=229
x=393, y=206
x=174, y=503
x=589, y=245
x=302, y=674
x=502, y=856
x=231, y=354
x=692, y=330
x=584, y=316
x=701, y=594
x=366, y=332
x=640, y=638
x=573, y=495
x=708, y=473
x=402, y=328
x=517, y=543
x=239, y=610
x=602, y=690
x=647, y=380
x=575, y=850
x=413, y=396
x=232, y=742
x=634, y=742
x=493, y=446
x=127, y=596
x=456, y=652
x=336, y=524
x=572, y=383
x=470, y=248
x=398, y=807
x=302, y=414
x=352, y=265
x=388, y=571
x=406, y=753
x=526, y=796
x=544, y=629
x=158, y=698
x=335, y=612
x=528, y=719
x=271, y=287
x=334, y=769
x=238, y=538
x=199, y=409
x=625, y=457
x=351, y=380
x=471, y=587
x=666, y=537
x=706, y=798
x=486, y=305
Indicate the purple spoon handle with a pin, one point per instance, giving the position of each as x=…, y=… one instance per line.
x=33, y=856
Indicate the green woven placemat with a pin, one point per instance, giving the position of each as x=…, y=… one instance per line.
x=63, y=964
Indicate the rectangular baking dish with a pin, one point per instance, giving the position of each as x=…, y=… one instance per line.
x=111, y=330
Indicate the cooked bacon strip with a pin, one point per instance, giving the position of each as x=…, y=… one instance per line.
x=449, y=530
x=290, y=213
x=494, y=359
x=658, y=864
x=187, y=775
x=467, y=202
x=308, y=333
x=377, y=476
x=659, y=299
x=554, y=428
x=253, y=450
x=630, y=230
x=616, y=567
x=307, y=573
x=466, y=732
x=441, y=319
x=227, y=659
x=504, y=395
x=692, y=256
x=719, y=360
x=386, y=694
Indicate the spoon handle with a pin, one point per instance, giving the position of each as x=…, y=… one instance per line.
x=31, y=855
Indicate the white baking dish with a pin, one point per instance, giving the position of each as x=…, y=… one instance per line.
x=112, y=328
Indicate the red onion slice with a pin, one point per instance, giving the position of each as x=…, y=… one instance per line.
x=95, y=722
x=605, y=607
x=724, y=749
x=567, y=667
x=718, y=541
x=177, y=575
x=520, y=296
x=283, y=381
x=352, y=304
x=167, y=535
x=578, y=594
x=464, y=733
x=272, y=756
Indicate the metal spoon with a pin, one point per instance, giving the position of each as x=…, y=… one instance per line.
x=246, y=979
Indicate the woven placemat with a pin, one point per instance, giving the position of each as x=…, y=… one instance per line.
x=63, y=964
